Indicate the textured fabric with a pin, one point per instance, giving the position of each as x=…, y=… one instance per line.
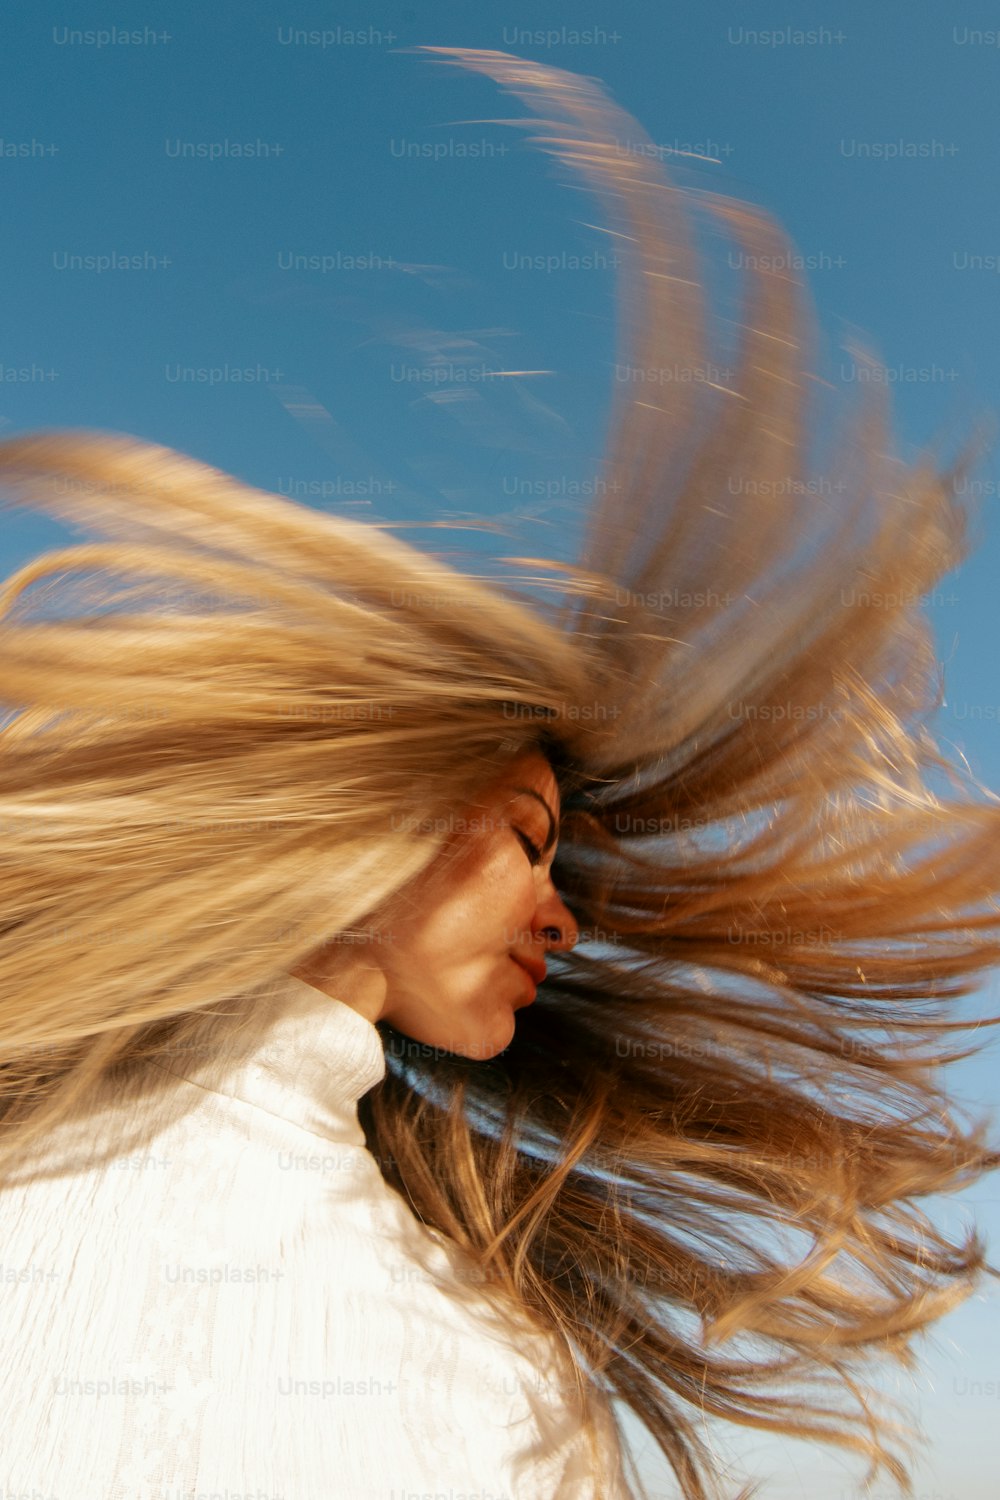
x=236, y=1303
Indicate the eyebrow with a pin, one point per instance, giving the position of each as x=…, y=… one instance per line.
x=529, y=791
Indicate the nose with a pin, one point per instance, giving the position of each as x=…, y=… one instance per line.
x=555, y=924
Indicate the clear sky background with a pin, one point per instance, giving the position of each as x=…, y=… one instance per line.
x=869, y=131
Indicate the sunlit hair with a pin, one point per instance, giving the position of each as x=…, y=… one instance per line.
x=698, y=1161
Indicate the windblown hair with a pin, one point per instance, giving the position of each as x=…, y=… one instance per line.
x=698, y=1162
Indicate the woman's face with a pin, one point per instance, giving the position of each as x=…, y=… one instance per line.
x=444, y=972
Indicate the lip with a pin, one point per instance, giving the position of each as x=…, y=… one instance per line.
x=536, y=969
x=532, y=988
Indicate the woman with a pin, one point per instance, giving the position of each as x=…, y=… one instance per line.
x=500, y=1007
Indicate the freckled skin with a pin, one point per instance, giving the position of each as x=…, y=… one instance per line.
x=445, y=976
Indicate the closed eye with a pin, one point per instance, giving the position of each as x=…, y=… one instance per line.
x=534, y=853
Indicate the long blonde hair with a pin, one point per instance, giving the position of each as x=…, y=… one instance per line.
x=202, y=776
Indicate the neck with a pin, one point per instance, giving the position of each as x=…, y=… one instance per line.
x=345, y=974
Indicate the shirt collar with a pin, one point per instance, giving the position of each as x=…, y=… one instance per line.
x=309, y=1061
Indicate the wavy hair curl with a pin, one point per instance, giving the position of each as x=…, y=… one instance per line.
x=699, y=1161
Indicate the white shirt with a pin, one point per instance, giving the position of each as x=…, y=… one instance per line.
x=234, y=1301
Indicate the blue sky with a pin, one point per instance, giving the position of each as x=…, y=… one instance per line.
x=868, y=131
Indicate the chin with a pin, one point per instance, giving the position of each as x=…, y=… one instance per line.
x=483, y=1049
x=478, y=1037
x=486, y=1041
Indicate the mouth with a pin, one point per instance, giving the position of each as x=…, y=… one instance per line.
x=532, y=984
x=536, y=967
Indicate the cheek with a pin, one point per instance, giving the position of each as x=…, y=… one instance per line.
x=482, y=902
x=508, y=896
